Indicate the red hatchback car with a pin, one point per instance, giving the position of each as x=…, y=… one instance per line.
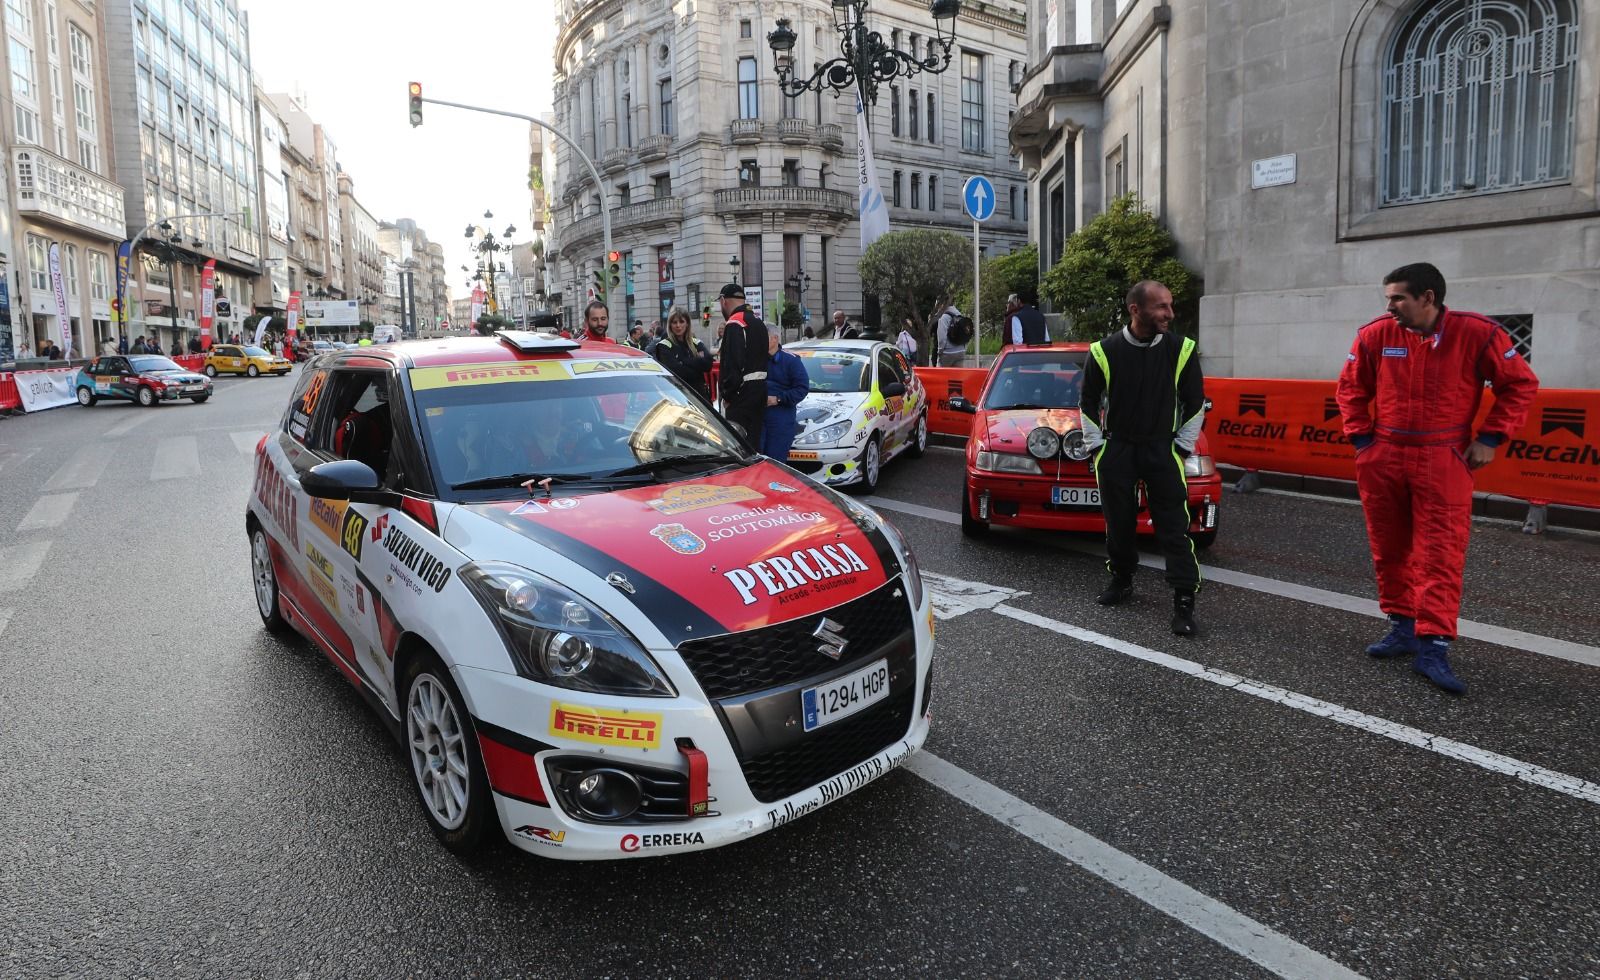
x=1026, y=462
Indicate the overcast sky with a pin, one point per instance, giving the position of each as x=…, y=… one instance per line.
x=352, y=60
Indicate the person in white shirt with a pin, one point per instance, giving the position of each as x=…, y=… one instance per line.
x=906, y=341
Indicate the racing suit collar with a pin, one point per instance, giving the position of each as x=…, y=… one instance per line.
x=1437, y=333
x=1127, y=334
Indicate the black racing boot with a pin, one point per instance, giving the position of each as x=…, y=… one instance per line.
x=1119, y=590
x=1183, y=613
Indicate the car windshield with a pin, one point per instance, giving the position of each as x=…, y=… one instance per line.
x=256, y=352
x=148, y=364
x=487, y=427
x=1036, y=379
x=837, y=370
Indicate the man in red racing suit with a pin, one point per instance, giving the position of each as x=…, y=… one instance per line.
x=1409, y=393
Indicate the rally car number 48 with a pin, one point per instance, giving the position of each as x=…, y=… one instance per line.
x=599, y=624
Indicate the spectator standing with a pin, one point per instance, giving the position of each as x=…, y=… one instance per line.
x=1024, y=323
x=636, y=335
x=683, y=355
x=108, y=347
x=743, y=376
x=23, y=350
x=54, y=352
x=952, y=350
x=194, y=344
x=907, y=342
x=787, y=385
x=596, y=320
x=122, y=343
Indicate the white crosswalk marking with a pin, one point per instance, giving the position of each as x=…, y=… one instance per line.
x=80, y=472
x=5, y=620
x=48, y=511
x=8, y=460
x=177, y=458
x=137, y=416
x=20, y=563
x=953, y=597
x=245, y=442
x=1218, y=922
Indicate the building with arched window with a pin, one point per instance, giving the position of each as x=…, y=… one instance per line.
x=706, y=161
x=1300, y=149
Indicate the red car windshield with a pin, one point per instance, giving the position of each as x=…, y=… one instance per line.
x=1036, y=379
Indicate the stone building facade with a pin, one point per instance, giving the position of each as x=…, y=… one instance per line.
x=1298, y=150
x=363, y=260
x=704, y=160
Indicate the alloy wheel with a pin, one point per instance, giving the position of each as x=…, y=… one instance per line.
x=438, y=751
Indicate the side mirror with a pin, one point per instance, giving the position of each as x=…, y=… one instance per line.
x=893, y=389
x=340, y=479
x=959, y=403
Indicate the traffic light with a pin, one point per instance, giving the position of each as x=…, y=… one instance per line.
x=416, y=104
x=600, y=285
x=614, y=269
x=705, y=315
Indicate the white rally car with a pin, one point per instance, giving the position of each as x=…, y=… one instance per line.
x=599, y=624
x=866, y=407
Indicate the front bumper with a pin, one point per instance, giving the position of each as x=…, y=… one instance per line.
x=1024, y=501
x=171, y=393
x=778, y=776
x=830, y=465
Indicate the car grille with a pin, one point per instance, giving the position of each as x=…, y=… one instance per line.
x=806, y=466
x=741, y=663
x=828, y=752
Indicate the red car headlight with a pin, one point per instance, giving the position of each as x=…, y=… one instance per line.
x=1007, y=463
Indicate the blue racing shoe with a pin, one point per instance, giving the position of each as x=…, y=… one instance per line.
x=1433, y=662
x=1401, y=641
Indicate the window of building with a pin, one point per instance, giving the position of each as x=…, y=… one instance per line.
x=972, y=102
x=24, y=80
x=933, y=192
x=19, y=16
x=666, y=106
x=1116, y=172
x=916, y=190
x=749, y=173
x=894, y=110
x=895, y=192
x=912, y=116
x=27, y=123
x=916, y=43
x=82, y=53
x=83, y=102
x=750, y=271
x=627, y=120
x=791, y=173
x=749, y=97
x=624, y=195
x=69, y=269
x=662, y=185
x=931, y=137
x=88, y=155
x=789, y=106
x=1519, y=326
x=38, y=262
x=744, y=29
x=1479, y=98
x=1011, y=201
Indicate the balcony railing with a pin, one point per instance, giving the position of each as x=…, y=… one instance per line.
x=797, y=131
x=615, y=160
x=653, y=148
x=745, y=131
x=52, y=186
x=744, y=200
x=831, y=135
x=660, y=210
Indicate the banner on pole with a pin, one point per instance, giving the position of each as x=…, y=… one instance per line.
x=60, y=289
x=119, y=308
x=208, y=301
x=874, y=213
x=291, y=320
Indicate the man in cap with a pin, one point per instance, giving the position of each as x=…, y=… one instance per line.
x=743, y=376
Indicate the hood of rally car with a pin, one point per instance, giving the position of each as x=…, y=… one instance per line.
x=1007, y=430
x=721, y=553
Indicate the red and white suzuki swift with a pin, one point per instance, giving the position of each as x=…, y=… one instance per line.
x=596, y=621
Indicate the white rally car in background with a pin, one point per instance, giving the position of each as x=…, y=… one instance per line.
x=866, y=407
x=662, y=643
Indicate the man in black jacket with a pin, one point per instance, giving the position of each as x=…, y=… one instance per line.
x=1142, y=407
x=743, y=377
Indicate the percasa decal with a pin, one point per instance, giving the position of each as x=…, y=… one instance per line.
x=352, y=533
x=541, y=834
x=430, y=570
x=846, y=782
x=427, y=379
x=699, y=496
x=799, y=573
x=328, y=516
x=679, y=538
x=759, y=519
x=274, y=493
x=632, y=730
x=634, y=842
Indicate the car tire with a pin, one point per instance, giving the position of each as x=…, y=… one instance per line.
x=86, y=397
x=211, y=370
x=970, y=525
x=871, y=466
x=146, y=396
x=200, y=399
x=919, y=438
x=439, y=741
x=1203, y=539
x=265, y=580
x=253, y=371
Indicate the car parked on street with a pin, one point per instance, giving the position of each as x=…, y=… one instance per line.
x=600, y=625
x=244, y=359
x=866, y=407
x=1027, y=465
x=148, y=379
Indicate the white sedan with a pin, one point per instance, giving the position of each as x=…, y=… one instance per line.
x=866, y=407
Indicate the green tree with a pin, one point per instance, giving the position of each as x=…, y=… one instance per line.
x=999, y=277
x=488, y=323
x=1102, y=260
x=915, y=274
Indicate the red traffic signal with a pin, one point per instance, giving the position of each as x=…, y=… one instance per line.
x=416, y=103
x=613, y=256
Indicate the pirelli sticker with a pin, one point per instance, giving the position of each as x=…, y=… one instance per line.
x=463, y=375
x=625, y=729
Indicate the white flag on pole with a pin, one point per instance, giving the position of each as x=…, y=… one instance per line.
x=261, y=329
x=874, y=213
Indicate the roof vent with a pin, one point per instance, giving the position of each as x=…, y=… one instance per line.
x=529, y=342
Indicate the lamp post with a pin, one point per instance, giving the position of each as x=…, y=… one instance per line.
x=801, y=282
x=865, y=60
x=733, y=264
x=169, y=240
x=488, y=247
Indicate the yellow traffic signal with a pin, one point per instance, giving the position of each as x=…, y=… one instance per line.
x=416, y=103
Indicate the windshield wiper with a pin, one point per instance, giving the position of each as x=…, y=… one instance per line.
x=670, y=462
x=518, y=479
x=1025, y=405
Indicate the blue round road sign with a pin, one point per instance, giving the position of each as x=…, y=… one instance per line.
x=977, y=196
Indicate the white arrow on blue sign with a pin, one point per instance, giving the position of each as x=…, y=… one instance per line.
x=977, y=194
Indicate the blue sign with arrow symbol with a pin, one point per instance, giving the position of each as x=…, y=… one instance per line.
x=977, y=195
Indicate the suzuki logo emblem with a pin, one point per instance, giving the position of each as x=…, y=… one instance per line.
x=833, y=641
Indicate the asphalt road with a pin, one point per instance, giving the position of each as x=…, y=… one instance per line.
x=185, y=795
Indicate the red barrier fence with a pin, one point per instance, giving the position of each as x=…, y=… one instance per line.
x=944, y=384
x=10, y=399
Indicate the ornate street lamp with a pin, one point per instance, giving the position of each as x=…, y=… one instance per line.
x=487, y=248
x=170, y=240
x=866, y=60
x=733, y=263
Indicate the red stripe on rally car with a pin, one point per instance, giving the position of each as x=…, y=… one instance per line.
x=511, y=772
x=324, y=630
x=746, y=548
x=421, y=511
x=699, y=778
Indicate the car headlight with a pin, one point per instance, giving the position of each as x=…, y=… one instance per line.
x=557, y=637
x=1199, y=466
x=913, y=571
x=1072, y=445
x=1044, y=442
x=1007, y=463
x=825, y=435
